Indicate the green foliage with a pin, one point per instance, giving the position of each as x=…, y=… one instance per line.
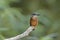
x=1, y=37
x=15, y=17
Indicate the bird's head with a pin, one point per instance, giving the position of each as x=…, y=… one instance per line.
x=34, y=15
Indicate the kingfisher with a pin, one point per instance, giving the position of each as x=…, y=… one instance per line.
x=34, y=20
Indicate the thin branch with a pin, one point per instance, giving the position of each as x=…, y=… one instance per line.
x=24, y=34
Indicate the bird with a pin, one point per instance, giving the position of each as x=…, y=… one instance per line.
x=34, y=20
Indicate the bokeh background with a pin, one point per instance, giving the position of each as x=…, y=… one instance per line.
x=15, y=16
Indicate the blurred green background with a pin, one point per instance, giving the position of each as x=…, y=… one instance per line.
x=15, y=16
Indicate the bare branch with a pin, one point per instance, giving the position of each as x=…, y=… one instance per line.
x=24, y=34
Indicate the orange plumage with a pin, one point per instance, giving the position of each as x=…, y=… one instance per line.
x=33, y=21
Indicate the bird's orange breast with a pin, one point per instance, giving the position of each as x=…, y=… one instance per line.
x=33, y=22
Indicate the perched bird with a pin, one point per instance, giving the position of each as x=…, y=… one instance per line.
x=34, y=20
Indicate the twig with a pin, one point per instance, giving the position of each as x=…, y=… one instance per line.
x=24, y=34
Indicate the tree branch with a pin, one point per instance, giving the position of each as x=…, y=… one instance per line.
x=24, y=34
